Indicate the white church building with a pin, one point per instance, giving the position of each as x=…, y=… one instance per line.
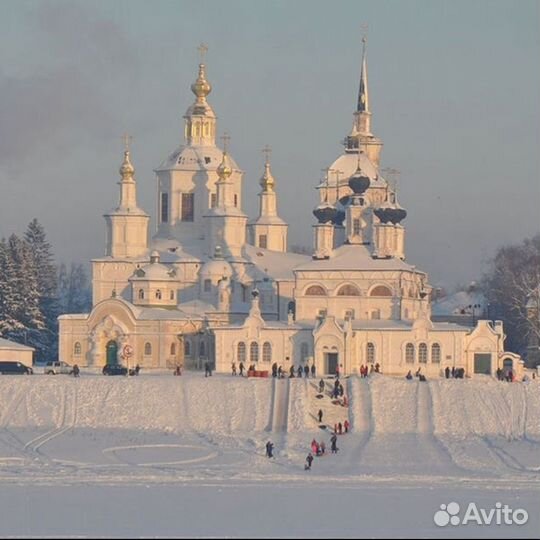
x=214, y=286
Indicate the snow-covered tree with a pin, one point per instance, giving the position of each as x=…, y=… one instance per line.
x=9, y=307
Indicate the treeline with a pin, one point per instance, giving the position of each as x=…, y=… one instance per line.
x=34, y=291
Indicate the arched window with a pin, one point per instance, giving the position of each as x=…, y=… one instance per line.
x=141, y=294
x=158, y=295
x=267, y=352
x=436, y=353
x=187, y=348
x=171, y=295
x=147, y=349
x=304, y=351
x=173, y=349
x=409, y=353
x=202, y=349
x=241, y=352
x=380, y=290
x=254, y=352
x=370, y=353
x=315, y=290
x=422, y=353
x=291, y=307
x=348, y=290
x=77, y=349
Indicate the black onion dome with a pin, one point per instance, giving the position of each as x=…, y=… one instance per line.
x=325, y=213
x=397, y=214
x=359, y=182
x=339, y=218
x=383, y=213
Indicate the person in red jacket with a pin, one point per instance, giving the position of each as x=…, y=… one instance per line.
x=346, y=425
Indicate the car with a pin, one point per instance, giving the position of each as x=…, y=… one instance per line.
x=12, y=367
x=115, y=369
x=57, y=368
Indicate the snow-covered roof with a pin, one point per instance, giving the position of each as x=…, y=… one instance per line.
x=353, y=257
x=195, y=158
x=7, y=344
x=275, y=264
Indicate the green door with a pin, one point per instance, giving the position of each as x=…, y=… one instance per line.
x=112, y=353
x=332, y=363
x=482, y=363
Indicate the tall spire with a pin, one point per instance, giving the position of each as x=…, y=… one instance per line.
x=267, y=181
x=363, y=95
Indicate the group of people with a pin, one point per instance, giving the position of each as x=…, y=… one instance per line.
x=454, y=373
x=419, y=375
x=507, y=375
x=319, y=449
x=365, y=371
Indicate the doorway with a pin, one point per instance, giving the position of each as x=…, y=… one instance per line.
x=482, y=363
x=332, y=363
x=112, y=353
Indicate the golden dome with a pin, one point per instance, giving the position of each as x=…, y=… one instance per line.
x=201, y=87
x=267, y=181
x=224, y=169
x=126, y=169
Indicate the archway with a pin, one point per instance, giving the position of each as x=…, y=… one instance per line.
x=112, y=353
x=508, y=365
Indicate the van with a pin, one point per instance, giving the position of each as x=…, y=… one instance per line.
x=14, y=368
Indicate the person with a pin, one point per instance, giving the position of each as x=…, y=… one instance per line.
x=417, y=374
x=333, y=442
x=314, y=446
x=137, y=369
x=306, y=371
x=207, y=369
x=309, y=461
x=377, y=367
x=341, y=390
x=320, y=415
x=241, y=367
x=178, y=370
x=313, y=371
x=269, y=449
x=300, y=372
x=453, y=372
x=321, y=386
x=337, y=372
x=340, y=428
x=323, y=448
x=447, y=372
x=422, y=378
x=233, y=368
x=280, y=372
x=409, y=375
x=291, y=372
x=76, y=371
x=274, y=370
x=346, y=425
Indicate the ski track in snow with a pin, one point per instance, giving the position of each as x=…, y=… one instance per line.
x=188, y=428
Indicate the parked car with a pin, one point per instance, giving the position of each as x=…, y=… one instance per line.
x=14, y=368
x=115, y=369
x=57, y=368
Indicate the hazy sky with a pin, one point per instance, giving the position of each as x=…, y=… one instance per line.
x=454, y=91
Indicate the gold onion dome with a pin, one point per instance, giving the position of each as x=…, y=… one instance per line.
x=201, y=87
x=224, y=169
x=267, y=181
x=126, y=169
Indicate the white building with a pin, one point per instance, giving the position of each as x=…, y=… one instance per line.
x=213, y=286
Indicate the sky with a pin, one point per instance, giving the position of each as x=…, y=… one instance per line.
x=454, y=91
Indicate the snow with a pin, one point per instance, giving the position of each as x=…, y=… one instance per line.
x=159, y=455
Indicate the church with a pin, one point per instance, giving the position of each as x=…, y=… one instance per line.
x=213, y=285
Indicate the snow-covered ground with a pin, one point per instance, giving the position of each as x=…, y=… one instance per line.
x=158, y=455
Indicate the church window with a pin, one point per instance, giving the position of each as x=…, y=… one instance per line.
x=267, y=352
x=235, y=200
x=304, y=351
x=422, y=353
x=213, y=200
x=241, y=352
x=164, y=208
x=187, y=348
x=188, y=206
x=202, y=349
x=77, y=350
x=171, y=295
x=173, y=349
x=263, y=241
x=315, y=290
x=254, y=352
x=147, y=349
x=380, y=290
x=158, y=295
x=348, y=290
x=356, y=227
x=207, y=285
x=370, y=353
x=141, y=294
x=409, y=353
x=436, y=353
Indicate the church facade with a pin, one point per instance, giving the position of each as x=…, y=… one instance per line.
x=214, y=286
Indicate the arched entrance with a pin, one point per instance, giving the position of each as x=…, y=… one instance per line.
x=508, y=365
x=112, y=353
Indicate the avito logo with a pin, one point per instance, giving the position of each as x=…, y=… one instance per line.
x=449, y=514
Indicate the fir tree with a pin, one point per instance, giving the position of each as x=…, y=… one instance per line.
x=9, y=309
